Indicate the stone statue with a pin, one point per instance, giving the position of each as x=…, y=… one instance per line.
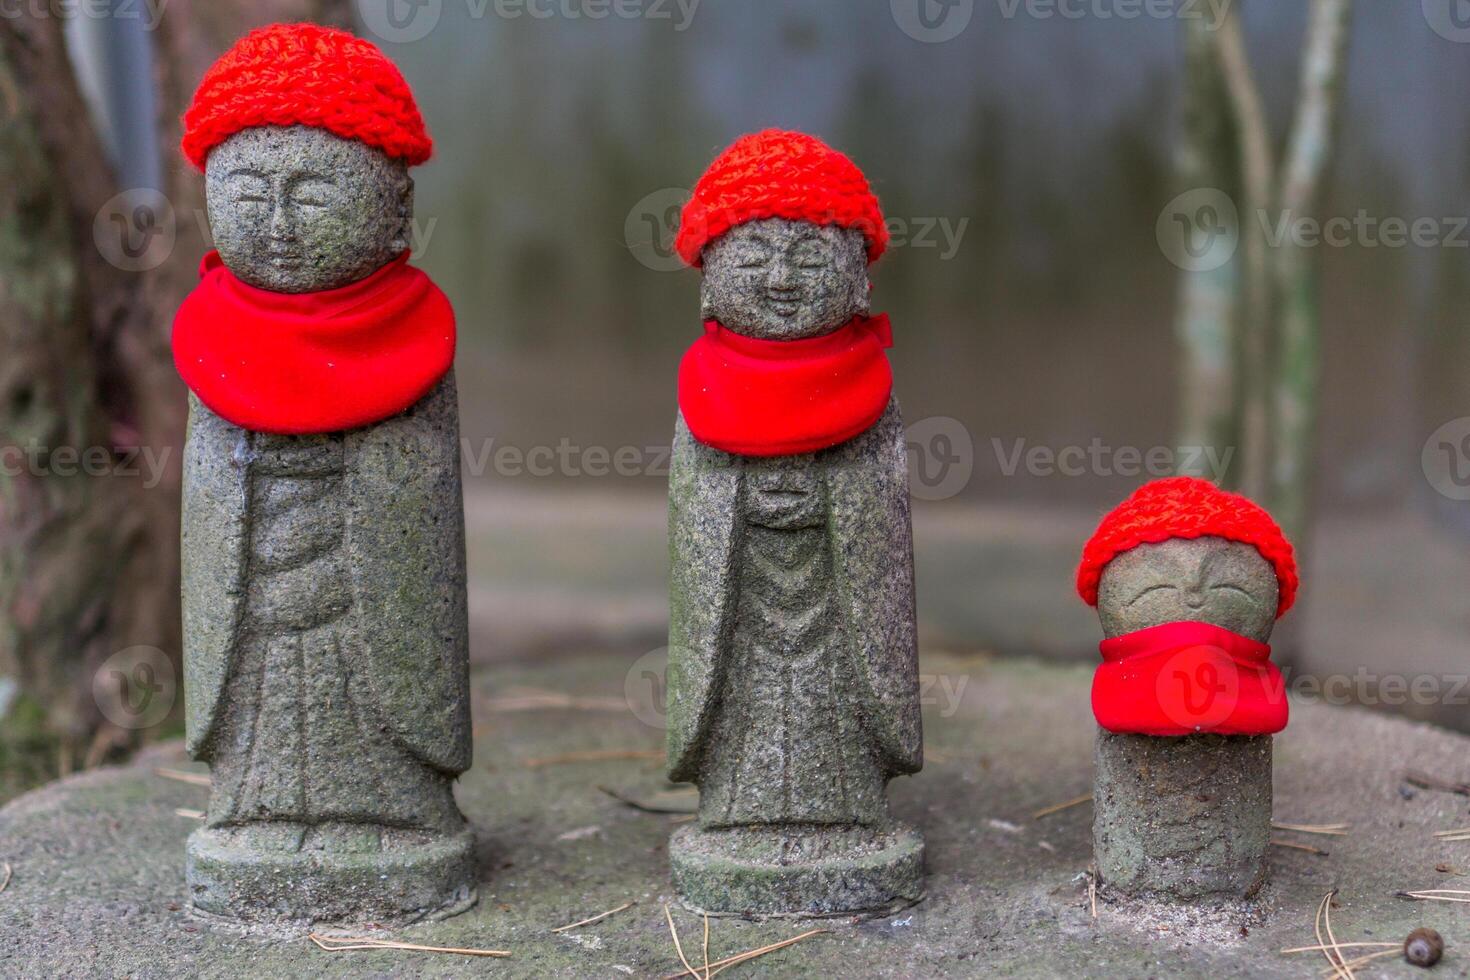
x=793, y=678
x=1188, y=582
x=325, y=627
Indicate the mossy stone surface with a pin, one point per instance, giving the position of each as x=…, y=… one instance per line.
x=98, y=859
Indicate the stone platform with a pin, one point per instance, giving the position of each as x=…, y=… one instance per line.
x=98, y=877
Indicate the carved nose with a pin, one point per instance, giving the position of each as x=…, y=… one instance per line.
x=781, y=279
x=282, y=229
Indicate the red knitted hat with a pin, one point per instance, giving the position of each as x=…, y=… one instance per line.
x=1186, y=507
x=305, y=74
x=779, y=174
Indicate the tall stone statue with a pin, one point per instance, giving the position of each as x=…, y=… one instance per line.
x=793, y=678
x=1188, y=581
x=325, y=658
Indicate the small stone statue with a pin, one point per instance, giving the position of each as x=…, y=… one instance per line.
x=325, y=629
x=1188, y=581
x=793, y=678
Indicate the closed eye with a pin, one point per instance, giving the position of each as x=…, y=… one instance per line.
x=1231, y=587
x=1150, y=590
x=251, y=185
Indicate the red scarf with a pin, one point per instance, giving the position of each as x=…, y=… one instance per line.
x=313, y=362
x=785, y=397
x=1187, y=678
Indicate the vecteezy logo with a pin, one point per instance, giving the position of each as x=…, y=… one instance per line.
x=1450, y=19
x=400, y=21
x=135, y=688
x=941, y=457
x=135, y=230
x=651, y=227
x=932, y=21
x=1446, y=459
x=1199, y=230
x=1198, y=687
x=645, y=688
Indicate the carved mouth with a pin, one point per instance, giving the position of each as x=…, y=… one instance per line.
x=784, y=304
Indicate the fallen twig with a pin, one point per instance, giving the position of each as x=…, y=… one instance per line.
x=678, y=946
x=1299, y=847
x=706, y=946
x=1437, y=895
x=739, y=958
x=179, y=775
x=1424, y=780
x=640, y=805
x=1313, y=949
x=1323, y=921
x=537, y=700
x=1329, y=829
x=343, y=944
x=594, y=755
x=188, y=814
x=1353, y=964
x=9, y=872
x=1059, y=807
x=596, y=918
x=1456, y=832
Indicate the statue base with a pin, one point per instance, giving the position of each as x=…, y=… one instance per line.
x=232, y=874
x=1183, y=818
x=803, y=871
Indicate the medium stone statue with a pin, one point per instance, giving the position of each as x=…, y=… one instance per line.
x=326, y=666
x=793, y=679
x=1188, y=581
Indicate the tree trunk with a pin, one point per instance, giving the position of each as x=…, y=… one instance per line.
x=1298, y=358
x=1208, y=299
x=1274, y=330
x=89, y=547
x=1256, y=320
x=83, y=573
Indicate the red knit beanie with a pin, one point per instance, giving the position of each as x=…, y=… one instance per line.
x=305, y=74
x=779, y=174
x=1186, y=507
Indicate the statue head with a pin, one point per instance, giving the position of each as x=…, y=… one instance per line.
x=298, y=209
x=1182, y=550
x=305, y=135
x=777, y=279
x=784, y=228
x=1205, y=580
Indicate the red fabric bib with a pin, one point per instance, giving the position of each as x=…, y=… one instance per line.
x=785, y=397
x=313, y=362
x=1188, y=678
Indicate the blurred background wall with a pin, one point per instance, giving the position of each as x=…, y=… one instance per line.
x=1025, y=163
x=1025, y=152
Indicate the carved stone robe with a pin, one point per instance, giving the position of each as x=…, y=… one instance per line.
x=793, y=691
x=326, y=644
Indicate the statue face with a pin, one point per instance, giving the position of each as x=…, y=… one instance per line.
x=1205, y=580
x=785, y=280
x=296, y=209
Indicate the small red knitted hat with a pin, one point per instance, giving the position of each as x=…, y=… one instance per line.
x=1186, y=507
x=305, y=74
x=779, y=174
